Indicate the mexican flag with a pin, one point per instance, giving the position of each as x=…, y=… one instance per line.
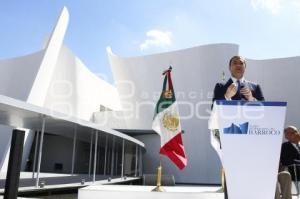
x=167, y=124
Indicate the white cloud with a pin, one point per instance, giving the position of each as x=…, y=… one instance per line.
x=277, y=6
x=274, y=6
x=157, y=38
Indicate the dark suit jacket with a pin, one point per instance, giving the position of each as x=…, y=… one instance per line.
x=289, y=155
x=220, y=90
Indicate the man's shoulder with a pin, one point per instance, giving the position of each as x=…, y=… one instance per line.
x=286, y=145
x=251, y=83
x=220, y=84
x=223, y=84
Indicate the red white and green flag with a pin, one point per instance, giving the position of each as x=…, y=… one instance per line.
x=166, y=123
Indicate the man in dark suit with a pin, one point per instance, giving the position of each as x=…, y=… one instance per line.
x=237, y=88
x=290, y=151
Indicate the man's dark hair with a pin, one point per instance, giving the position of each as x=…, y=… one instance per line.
x=237, y=57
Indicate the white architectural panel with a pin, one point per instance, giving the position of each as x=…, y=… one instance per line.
x=195, y=73
x=54, y=78
x=20, y=69
x=16, y=79
x=76, y=91
x=39, y=89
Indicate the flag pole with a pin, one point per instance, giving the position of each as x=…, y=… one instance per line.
x=158, y=187
x=223, y=179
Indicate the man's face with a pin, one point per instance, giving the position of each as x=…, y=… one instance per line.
x=237, y=68
x=291, y=134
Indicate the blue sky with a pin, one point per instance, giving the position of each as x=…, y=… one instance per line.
x=263, y=28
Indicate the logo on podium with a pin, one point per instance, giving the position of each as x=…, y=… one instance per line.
x=237, y=129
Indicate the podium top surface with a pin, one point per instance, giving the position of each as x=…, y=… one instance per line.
x=249, y=103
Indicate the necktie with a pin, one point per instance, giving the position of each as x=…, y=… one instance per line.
x=238, y=86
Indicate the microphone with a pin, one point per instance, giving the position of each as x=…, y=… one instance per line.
x=242, y=86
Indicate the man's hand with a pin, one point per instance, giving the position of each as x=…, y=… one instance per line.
x=231, y=91
x=247, y=93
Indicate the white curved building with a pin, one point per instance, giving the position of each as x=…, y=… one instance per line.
x=56, y=80
x=195, y=73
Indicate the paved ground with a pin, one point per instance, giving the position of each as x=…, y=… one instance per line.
x=137, y=192
x=65, y=180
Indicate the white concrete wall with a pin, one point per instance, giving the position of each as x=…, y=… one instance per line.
x=17, y=75
x=6, y=134
x=16, y=79
x=279, y=79
x=27, y=78
x=53, y=78
x=76, y=91
x=41, y=83
x=195, y=72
